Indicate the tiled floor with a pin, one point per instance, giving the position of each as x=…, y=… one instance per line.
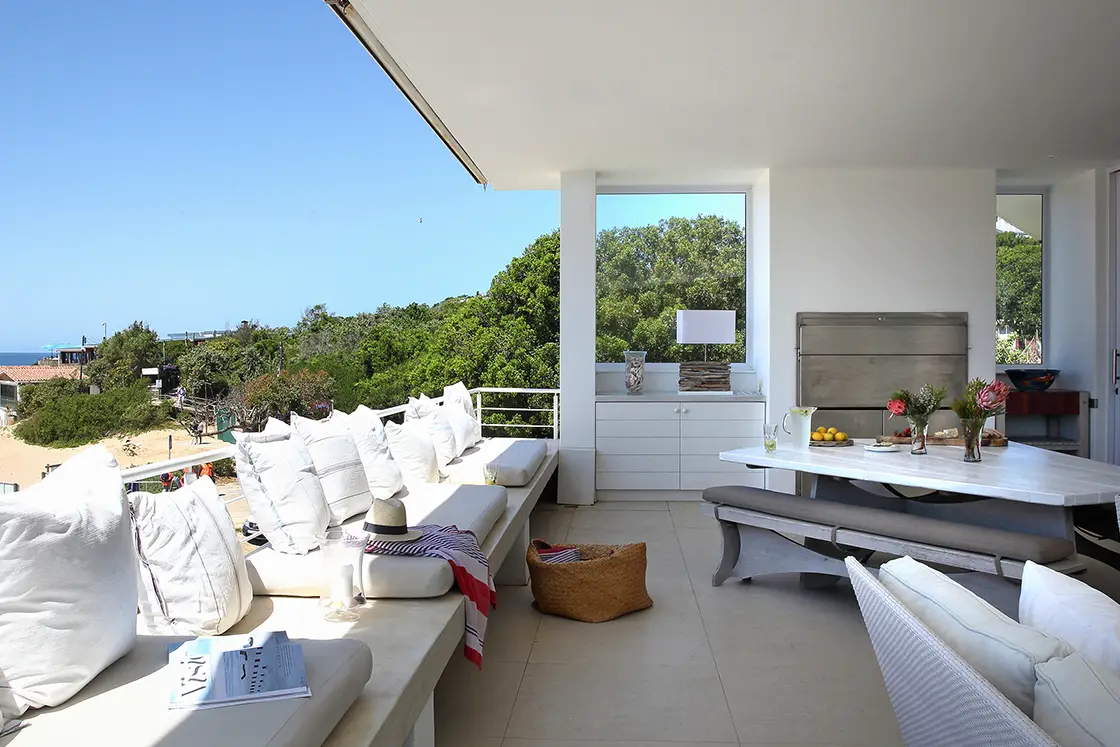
x=758, y=664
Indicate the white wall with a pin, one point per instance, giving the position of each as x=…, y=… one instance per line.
x=877, y=240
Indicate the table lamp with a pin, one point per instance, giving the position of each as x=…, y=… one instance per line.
x=707, y=327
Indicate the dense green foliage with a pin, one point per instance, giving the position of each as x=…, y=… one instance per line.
x=78, y=419
x=307, y=393
x=121, y=357
x=34, y=396
x=1018, y=291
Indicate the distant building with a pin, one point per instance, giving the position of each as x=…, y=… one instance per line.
x=198, y=338
x=77, y=355
x=14, y=378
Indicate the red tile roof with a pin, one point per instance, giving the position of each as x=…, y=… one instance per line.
x=36, y=374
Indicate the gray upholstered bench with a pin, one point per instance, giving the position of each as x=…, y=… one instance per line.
x=754, y=522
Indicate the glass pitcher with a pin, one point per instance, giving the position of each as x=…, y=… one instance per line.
x=800, y=426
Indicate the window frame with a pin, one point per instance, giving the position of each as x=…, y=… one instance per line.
x=743, y=366
x=1043, y=192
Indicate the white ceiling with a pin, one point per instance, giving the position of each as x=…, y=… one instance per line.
x=714, y=89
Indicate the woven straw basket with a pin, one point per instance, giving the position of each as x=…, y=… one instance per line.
x=601, y=587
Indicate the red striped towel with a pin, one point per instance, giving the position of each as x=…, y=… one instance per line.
x=470, y=567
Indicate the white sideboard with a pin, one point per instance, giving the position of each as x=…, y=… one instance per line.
x=665, y=444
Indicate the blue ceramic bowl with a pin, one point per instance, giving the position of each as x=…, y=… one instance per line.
x=1032, y=379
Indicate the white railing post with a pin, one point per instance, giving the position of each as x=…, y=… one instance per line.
x=555, y=416
x=478, y=409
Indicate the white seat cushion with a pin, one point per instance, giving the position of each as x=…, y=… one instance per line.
x=1077, y=703
x=515, y=459
x=1000, y=649
x=411, y=447
x=456, y=396
x=1075, y=612
x=67, y=582
x=192, y=570
x=334, y=452
x=382, y=473
x=443, y=437
x=473, y=507
x=126, y=706
x=420, y=407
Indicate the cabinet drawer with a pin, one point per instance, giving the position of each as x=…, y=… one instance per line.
x=637, y=411
x=637, y=481
x=714, y=445
x=637, y=463
x=691, y=428
x=724, y=410
x=666, y=446
x=705, y=480
x=710, y=463
x=638, y=428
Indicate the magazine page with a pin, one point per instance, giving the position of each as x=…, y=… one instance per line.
x=210, y=672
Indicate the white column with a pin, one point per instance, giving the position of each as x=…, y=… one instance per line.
x=577, y=338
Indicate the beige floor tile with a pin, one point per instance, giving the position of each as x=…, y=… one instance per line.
x=687, y=515
x=551, y=526
x=630, y=506
x=512, y=627
x=628, y=521
x=476, y=702
x=611, y=702
x=452, y=737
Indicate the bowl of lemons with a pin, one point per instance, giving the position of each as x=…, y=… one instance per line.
x=826, y=436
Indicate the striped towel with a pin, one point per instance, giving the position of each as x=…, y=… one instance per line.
x=560, y=555
x=472, y=573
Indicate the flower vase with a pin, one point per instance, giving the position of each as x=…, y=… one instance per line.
x=972, y=429
x=919, y=430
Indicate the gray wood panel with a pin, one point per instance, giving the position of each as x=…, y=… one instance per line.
x=884, y=340
x=868, y=380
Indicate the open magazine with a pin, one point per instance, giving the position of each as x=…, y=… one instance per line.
x=215, y=672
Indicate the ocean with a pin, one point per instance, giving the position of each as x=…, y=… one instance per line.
x=19, y=359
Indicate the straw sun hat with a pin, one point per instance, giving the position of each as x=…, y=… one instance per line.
x=387, y=521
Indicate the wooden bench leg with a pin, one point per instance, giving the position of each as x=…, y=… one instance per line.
x=423, y=732
x=514, y=571
x=751, y=551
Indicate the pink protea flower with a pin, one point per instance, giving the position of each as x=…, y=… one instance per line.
x=896, y=406
x=993, y=396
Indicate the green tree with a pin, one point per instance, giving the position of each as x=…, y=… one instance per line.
x=1019, y=284
x=34, y=396
x=121, y=357
x=84, y=418
x=209, y=370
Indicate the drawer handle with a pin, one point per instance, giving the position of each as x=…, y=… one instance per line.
x=676, y=409
x=684, y=409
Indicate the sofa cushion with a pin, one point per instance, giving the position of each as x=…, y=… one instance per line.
x=1073, y=611
x=997, y=542
x=411, y=446
x=192, y=570
x=67, y=582
x=457, y=396
x=382, y=473
x=284, y=494
x=334, y=452
x=420, y=407
x=126, y=706
x=1000, y=649
x=443, y=437
x=463, y=425
x=515, y=460
x=473, y=507
x=1077, y=703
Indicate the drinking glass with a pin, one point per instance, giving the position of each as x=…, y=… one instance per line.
x=489, y=474
x=770, y=437
x=342, y=573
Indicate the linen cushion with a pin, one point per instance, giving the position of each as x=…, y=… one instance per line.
x=1000, y=649
x=1075, y=612
x=334, y=452
x=443, y=437
x=278, y=479
x=412, y=449
x=126, y=706
x=457, y=396
x=382, y=473
x=67, y=582
x=1077, y=703
x=420, y=407
x=192, y=571
x=515, y=460
x=463, y=426
x=471, y=507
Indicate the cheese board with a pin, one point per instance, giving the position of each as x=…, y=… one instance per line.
x=831, y=444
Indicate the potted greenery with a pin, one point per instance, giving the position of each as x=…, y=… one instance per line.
x=917, y=409
x=981, y=400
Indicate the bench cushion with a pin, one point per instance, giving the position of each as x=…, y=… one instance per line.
x=996, y=542
x=473, y=507
x=126, y=705
x=516, y=461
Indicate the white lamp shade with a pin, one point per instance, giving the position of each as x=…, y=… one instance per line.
x=695, y=327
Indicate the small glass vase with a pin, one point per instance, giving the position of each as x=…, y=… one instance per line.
x=919, y=430
x=342, y=552
x=972, y=430
x=635, y=370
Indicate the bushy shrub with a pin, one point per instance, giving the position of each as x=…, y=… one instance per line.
x=305, y=392
x=225, y=468
x=34, y=396
x=84, y=418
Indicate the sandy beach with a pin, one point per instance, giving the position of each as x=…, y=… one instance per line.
x=23, y=463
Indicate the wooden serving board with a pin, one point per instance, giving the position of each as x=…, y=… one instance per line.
x=824, y=444
x=989, y=441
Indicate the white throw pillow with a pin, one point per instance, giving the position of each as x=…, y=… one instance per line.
x=420, y=407
x=413, y=451
x=462, y=425
x=458, y=395
x=334, y=452
x=285, y=497
x=1000, y=649
x=67, y=582
x=1075, y=612
x=1078, y=704
x=382, y=473
x=193, y=579
x=443, y=437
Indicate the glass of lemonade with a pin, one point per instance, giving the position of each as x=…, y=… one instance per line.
x=770, y=437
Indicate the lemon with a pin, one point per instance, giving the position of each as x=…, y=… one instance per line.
x=818, y=436
x=833, y=431
x=828, y=437
x=822, y=429
x=841, y=436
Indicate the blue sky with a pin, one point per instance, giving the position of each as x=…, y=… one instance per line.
x=195, y=164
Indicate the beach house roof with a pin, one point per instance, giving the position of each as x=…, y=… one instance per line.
x=36, y=374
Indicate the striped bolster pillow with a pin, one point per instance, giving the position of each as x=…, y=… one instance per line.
x=561, y=555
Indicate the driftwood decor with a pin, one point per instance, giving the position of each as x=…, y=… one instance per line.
x=705, y=377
